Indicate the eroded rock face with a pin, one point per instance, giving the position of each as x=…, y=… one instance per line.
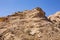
x=55, y=17
x=29, y=25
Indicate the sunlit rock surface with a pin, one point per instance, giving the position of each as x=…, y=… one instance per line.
x=30, y=25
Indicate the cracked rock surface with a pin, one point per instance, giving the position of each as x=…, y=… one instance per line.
x=30, y=25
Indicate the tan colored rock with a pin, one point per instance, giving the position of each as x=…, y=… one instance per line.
x=30, y=25
x=55, y=17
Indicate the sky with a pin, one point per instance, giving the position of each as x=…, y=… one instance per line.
x=8, y=7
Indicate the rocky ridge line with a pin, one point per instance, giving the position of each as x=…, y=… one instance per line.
x=30, y=25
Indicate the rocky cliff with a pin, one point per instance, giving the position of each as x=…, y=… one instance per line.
x=30, y=25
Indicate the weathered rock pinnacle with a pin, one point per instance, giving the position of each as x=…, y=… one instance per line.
x=42, y=13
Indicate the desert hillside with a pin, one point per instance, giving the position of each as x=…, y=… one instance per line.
x=30, y=25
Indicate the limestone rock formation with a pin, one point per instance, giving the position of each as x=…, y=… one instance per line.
x=30, y=25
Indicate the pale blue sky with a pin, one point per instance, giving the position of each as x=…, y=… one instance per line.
x=10, y=6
